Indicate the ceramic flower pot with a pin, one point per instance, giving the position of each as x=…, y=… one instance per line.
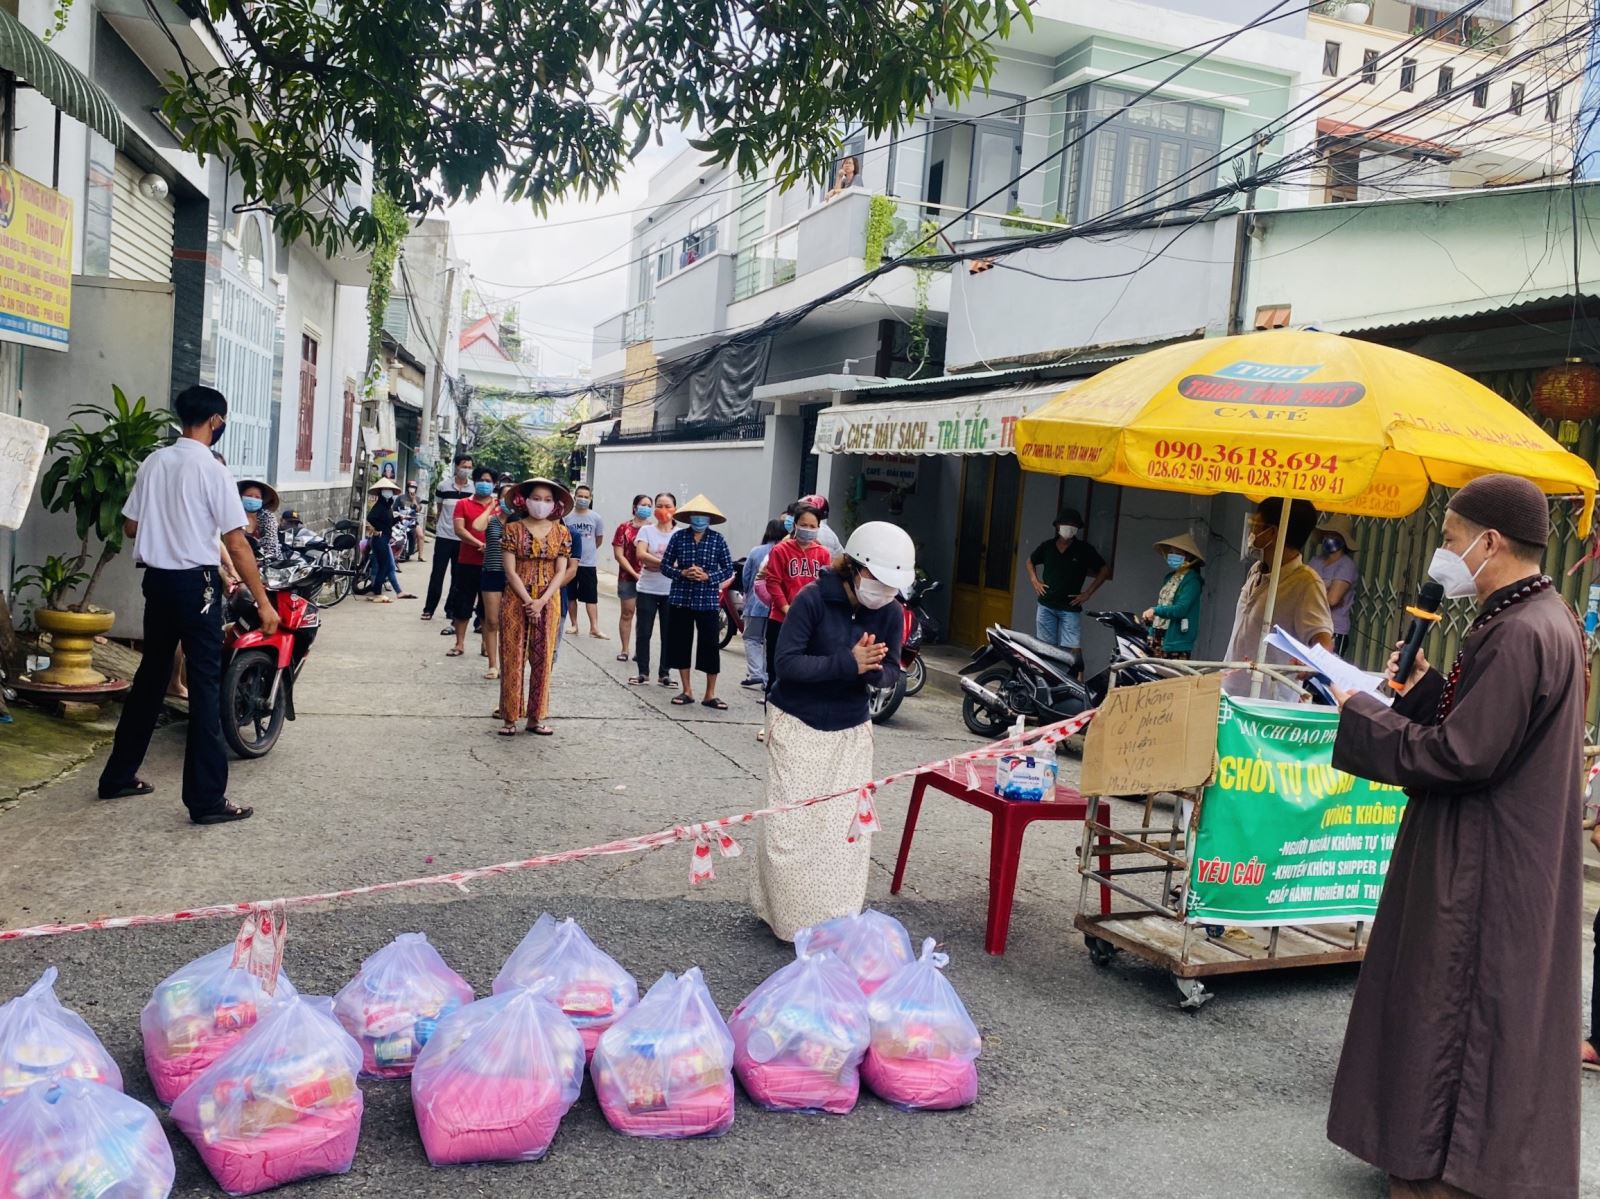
x=72, y=637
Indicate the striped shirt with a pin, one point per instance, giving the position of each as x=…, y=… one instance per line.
x=493, y=550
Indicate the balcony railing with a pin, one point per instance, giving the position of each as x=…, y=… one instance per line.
x=682, y=429
x=769, y=262
x=638, y=324
x=915, y=221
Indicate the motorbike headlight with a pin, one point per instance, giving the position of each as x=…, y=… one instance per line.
x=278, y=578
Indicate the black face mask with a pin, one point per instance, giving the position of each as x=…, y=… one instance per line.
x=216, y=434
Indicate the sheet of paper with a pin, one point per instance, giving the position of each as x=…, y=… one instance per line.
x=1339, y=672
x=21, y=454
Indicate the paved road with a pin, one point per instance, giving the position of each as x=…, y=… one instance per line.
x=1094, y=1084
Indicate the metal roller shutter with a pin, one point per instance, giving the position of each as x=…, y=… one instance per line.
x=141, y=229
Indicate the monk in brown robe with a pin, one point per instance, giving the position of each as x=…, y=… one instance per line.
x=1460, y=1075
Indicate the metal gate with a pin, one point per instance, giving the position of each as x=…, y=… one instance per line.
x=245, y=332
x=1394, y=555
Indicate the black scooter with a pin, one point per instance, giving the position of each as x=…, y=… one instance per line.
x=1017, y=675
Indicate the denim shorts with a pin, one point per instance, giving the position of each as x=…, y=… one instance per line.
x=627, y=588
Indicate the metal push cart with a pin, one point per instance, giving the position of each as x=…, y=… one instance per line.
x=1154, y=927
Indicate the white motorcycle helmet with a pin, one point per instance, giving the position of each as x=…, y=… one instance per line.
x=887, y=551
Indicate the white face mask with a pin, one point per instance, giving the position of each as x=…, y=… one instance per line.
x=874, y=594
x=1067, y=532
x=1450, y=570
x=540, y=509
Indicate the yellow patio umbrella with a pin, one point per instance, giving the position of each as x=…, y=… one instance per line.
x=1351, y=426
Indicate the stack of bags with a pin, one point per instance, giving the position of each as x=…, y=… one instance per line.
x=281, y=1105
x=396, y=1001
x=197, y=1014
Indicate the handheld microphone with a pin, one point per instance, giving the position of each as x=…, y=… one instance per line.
x=1424, y=615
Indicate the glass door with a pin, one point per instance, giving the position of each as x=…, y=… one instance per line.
x=986, y=546
x=996, y=163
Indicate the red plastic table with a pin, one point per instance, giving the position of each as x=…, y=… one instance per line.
x=1009, y=819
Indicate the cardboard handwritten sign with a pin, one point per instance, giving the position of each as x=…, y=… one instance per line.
x=21, y=453
x=1153, y=737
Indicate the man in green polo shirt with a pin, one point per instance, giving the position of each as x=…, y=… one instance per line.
x=1058, y=570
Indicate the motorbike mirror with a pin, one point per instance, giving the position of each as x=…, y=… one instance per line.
x=344, y=541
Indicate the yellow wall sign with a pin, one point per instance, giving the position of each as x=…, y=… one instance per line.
x=35, y=262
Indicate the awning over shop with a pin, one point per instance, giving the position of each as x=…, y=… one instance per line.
x=984, y=422
x=595, y=430
x=24, y=54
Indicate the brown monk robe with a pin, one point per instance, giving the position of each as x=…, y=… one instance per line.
x=1460, y=1065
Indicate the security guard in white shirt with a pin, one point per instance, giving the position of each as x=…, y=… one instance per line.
x=182, y=501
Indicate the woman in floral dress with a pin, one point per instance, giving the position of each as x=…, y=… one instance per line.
x=536, y=549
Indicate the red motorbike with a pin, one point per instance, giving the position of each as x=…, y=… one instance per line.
x=259, y=671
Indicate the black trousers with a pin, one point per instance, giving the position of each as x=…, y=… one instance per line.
x=444, y=558
x=651, y=608
x=1594, y=990
x=173, y=600
x=685, y=626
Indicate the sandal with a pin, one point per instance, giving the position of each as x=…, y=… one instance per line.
x=427, y=616
x=682, y=699
x=226, y=814
x=596, y=636
x=666, y=682
x=137, y=787
x=509, y=730
x=622, y=657
x=541, y=730
x=636, y=680
x=455, y=651
x=405, y=595
x=714, y=702
x=492, y=673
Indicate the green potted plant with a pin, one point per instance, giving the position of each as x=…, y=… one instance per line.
x=90, y=478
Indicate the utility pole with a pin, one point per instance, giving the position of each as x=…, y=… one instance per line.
x=438, y=344
x=1241, y=243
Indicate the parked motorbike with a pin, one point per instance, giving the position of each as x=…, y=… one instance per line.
x=920, y=629
x=1017, y=675
x=405, y=529
x=259, y=671
x=338, y=553
x=730, y=609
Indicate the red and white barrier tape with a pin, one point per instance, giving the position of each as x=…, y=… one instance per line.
x=705, y=835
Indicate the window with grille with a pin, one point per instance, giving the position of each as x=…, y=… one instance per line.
x=1408, y=74
x=1518, y=91
x=1480, y=94
x=1150, y=155
x=1344, y=174
x=1330, y=58
x=1447, y=80
x=1369, y=66
x=308, y=401
x=1552, y=106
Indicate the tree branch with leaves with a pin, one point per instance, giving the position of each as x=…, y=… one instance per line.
x=448, y=98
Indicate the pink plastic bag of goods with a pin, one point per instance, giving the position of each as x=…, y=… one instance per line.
x=799, y=1037
x=281, y=1105
x=665, y=1068
x=80, y=1138
x=873, y=944
x=496, y=1079
x=560, y=961
x=395, y=1002
x=198, y=1013
x=924, y=1045
x=43, y=1041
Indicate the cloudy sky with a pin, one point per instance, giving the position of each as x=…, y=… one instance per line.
x=514, y=256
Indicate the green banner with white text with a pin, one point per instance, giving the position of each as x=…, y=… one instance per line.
x=1283, y=837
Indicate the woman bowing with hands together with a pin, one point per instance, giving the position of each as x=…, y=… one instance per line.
x=536, y=548
x=842, y=635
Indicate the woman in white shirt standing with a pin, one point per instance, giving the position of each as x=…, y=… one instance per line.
x=654, y=589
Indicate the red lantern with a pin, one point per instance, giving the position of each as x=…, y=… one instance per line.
x=1568, y=393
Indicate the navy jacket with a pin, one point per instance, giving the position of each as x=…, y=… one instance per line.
x=817, y=676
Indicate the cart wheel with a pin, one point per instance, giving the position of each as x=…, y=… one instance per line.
x=1194, y=993
x=1101, y=952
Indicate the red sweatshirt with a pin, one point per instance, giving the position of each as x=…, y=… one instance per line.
x=790, y=568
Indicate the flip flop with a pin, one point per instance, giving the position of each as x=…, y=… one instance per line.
x=682, y=699
x=599, y=636
x=541, y=730
x=137, y=787
x=622, y=657
x=226, y=814
x=405, y=595
x=636, y=680
x=427, y=616
x=455, y=651
x=714, y=702
x=666, y=682
x=509, y=730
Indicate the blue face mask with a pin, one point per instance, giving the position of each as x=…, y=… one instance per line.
x=788, y=524
x=642, y=511
x=252, y=503
x=699, y=523
x=1175, y=560
x=1331, y=545
x=483, y=488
